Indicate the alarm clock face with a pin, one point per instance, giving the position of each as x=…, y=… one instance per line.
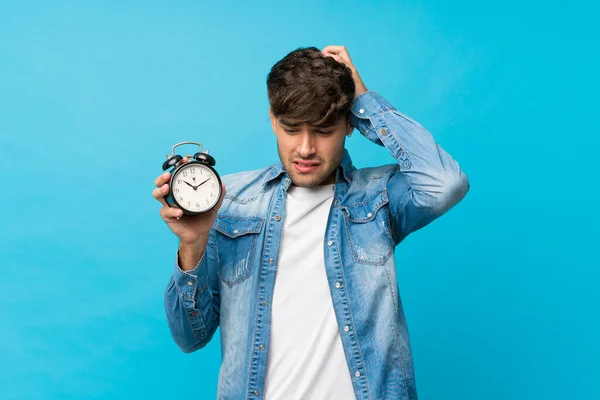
x=195, y=187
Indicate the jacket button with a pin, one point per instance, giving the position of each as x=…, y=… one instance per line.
x=261, y=347
x=277, y=218
x=383, y=132
x=256, y=392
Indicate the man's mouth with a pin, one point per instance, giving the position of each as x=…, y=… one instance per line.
x=305, y=166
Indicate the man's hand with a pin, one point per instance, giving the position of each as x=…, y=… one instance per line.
x=191, y=230
x=340, y=54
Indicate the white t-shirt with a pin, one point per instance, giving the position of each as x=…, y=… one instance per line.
x=306, y=358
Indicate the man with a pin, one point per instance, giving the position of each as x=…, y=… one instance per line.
x=297, y=265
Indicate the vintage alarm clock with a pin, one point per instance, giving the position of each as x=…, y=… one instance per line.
x=195, y=186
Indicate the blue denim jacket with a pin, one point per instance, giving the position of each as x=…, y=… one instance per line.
x=373, y=210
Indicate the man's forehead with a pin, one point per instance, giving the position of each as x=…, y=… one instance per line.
x=292, y=122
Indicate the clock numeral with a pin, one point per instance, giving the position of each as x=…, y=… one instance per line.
x=207, y=202
x=193, y=170
x=197, y=205
x=185, y=174
x=178, y=180
x=212, y=185
x=177, y=190
x=212, y=195
x=189, y=205
x=180, y=198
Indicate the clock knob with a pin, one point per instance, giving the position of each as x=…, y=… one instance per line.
x=205, y=159
x=171, y=162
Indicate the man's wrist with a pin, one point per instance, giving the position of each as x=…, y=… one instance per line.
x=190, y=254
x=360, y=89
x=359, y=85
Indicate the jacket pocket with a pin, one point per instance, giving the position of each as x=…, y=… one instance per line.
x=368, y=230
x=236, y=246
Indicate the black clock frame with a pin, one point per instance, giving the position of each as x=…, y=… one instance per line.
x=171, y=200
x=202, y=158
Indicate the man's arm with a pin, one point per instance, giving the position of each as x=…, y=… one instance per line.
x=192, y=300
x=427, y=182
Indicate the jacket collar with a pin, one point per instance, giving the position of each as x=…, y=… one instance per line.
x=342, y=174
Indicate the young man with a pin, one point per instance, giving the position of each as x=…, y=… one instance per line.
x=297, y=265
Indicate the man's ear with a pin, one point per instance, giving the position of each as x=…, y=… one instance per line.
x=349, y=127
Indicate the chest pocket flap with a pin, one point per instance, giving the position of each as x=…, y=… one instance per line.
x=238, y=226
x=236, y=246
x=365, y=211
x=368, y=230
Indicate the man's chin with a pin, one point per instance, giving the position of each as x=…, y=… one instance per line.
x=305, y=183
x=308, y=180
x=305, y=180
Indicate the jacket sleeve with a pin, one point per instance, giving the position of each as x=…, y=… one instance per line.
x=427, y=181
x=192, y=301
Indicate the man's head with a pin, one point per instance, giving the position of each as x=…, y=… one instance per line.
x=310, y=96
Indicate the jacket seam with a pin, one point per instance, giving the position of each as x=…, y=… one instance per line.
x=359, y=352
x=397, y=334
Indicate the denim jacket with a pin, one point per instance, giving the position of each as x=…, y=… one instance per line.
x=373, y=210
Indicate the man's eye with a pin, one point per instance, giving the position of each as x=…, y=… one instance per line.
x=289, y=130
x=325, y=132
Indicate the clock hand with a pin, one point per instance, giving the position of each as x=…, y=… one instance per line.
x=197, y=186
x=190, y=185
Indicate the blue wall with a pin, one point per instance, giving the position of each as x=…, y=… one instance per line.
x=501, y=294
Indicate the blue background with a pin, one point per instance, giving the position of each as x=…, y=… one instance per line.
x=501, y=294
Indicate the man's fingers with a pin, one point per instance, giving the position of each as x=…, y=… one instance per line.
x=339, y=51
x=183, y=161
x=161, y=183
x=162, y=179
x=337, y=58
x=334, y=49
x=170, y=213
x=160, y=192
x=165, y=176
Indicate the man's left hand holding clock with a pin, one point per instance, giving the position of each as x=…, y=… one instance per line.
x=192, y=230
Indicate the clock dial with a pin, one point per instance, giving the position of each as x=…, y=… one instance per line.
x=195, y=187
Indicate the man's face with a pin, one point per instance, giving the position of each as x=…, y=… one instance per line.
x=310, y=154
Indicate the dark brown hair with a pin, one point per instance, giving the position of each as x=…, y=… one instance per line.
x=307, y=87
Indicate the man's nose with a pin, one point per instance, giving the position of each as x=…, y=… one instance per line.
x=306, y=147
